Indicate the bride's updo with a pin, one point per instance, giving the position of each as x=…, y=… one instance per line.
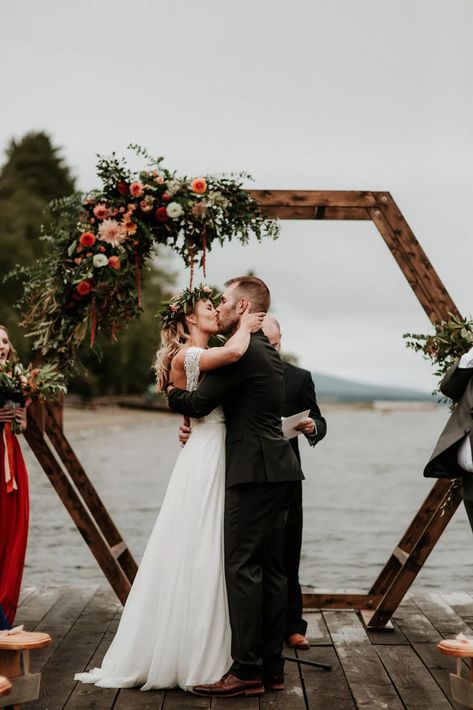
x=175, y=330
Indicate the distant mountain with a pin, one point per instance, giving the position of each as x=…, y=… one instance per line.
x=337, y=389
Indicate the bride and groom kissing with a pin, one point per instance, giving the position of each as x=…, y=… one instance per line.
x=207, y=610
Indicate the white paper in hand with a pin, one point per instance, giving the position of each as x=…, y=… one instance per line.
x=289, y=424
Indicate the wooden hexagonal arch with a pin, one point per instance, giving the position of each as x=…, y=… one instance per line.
x=46, y=436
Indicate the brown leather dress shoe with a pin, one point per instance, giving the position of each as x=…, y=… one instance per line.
x=298, y=641
x=230, y=686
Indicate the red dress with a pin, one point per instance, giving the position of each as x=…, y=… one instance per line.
x=14, y=514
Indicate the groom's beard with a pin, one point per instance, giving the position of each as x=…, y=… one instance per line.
x=228, y=325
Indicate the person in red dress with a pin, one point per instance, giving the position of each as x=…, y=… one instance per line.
x=14, y=502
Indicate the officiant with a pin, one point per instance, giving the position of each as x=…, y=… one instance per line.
x=300, y=396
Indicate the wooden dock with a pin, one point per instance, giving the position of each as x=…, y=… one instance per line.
x=373, y=670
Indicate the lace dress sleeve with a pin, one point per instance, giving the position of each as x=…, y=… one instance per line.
x=191, y=367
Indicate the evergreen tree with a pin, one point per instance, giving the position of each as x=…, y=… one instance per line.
x=33, y=175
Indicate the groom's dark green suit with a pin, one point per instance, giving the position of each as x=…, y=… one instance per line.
x=261, y=469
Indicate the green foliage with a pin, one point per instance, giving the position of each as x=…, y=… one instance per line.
x=451, y=339
x=124, y=367
x=33, y=174
x=96, y=244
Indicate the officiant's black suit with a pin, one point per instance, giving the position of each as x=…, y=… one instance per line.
x=300, y=396
x=261, y=471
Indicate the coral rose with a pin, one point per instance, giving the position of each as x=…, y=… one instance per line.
x=114, y=263
x=87, y=239
x=101, y=211
x=136, y=188
x=162, y=215
x=166, y=197
x=199, y=185
x=83, y=288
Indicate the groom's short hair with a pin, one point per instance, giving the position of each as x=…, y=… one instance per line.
x=254, y=290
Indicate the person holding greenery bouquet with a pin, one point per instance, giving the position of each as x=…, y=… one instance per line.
x=14, y=497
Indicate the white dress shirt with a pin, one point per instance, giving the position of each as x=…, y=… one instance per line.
x=464, y=455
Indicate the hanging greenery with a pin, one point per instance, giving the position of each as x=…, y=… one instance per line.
x=97, y=243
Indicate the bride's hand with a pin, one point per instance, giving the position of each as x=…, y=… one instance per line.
x=251, y=321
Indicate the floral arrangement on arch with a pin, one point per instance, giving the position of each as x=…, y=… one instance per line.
x=90, y=281
x=451, y=339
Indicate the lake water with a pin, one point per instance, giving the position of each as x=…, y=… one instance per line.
x=363, y=485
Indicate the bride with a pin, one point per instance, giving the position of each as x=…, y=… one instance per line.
x=175, y=628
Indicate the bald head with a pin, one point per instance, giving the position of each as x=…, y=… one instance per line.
x=272, y=331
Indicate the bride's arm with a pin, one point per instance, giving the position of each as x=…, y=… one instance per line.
x=235, y=347
x=233, y=350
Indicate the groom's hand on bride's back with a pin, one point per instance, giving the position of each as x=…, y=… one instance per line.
x=185, y=430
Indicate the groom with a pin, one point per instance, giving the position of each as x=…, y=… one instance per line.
x=261, y=471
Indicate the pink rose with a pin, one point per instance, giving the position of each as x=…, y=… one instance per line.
x=136, y=188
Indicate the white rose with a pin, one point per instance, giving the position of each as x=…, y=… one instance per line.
x=172, y=187
x=174, y=210
x=100, y=260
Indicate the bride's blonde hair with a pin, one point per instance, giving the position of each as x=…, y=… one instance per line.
x=173, y=337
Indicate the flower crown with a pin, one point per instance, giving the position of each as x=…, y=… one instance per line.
x=176, y=309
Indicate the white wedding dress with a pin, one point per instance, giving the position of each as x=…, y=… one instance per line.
x=175, y=628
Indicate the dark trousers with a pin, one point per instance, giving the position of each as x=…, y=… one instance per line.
x=255, y=521
x=467, y=492
x=295, y=624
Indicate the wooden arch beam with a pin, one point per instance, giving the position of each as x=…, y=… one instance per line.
x=47, y=440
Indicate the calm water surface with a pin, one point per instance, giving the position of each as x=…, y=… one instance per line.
x=364, y=484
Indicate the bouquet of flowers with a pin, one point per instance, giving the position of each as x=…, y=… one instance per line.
x=90, y=280
x=451, y=339
x=19, y=386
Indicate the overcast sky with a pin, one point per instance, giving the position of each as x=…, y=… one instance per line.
x=373, y=94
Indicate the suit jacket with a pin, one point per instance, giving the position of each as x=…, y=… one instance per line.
x=458, y=385
x=252, y=394
x=300, y=395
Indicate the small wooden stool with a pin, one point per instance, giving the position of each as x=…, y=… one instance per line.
x=461, y=687
x=5, y=686
x=15, y=665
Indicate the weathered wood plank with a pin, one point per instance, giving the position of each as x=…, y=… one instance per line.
x=439, y=665
x=311, y=212
x=441, y=615
x=325, y=690
x=339, y=601
x=322, y=198
x=235, y=704
x=414, y=624
x=59, y=620
x=178, y=700
x=292, y=698
x=462, y=603
x=366, y=676
x=412, y=680
x=76, y=650
x=426, y=274
x=317, y=631
x=132, y=699
x=37, y=605
x=387, y=637
x=84, y=697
